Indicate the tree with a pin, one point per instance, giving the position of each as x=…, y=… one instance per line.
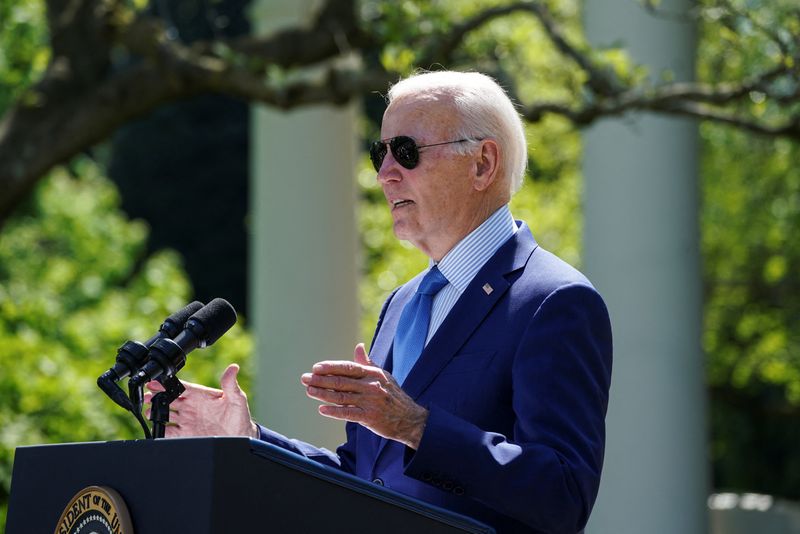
x=111, y=61
x=750, y=215
x=74, y=284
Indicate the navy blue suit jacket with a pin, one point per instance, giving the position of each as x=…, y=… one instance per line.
x=516, y=380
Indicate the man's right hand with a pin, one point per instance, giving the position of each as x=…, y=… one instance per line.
x=204, y=411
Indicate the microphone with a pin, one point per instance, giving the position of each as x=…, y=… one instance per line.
x=168, y=356
x=133, y=354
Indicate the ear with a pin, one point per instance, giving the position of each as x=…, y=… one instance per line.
x=487, y=165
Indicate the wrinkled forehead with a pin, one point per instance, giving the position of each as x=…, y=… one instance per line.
x=424, y=117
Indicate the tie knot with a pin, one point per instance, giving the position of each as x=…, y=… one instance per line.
x=433, y=282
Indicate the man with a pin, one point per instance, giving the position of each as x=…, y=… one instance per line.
x=501, y=415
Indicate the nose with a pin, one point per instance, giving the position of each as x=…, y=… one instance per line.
x=390, y=169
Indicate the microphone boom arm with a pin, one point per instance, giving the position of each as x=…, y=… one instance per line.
x=159, y=410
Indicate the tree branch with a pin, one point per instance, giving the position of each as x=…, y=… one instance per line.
x=81, y=99
x=333, y=32
x=77, y=27
x=191, y=70
x=665, y=105
x=442, y=48
x=601, y=80
x=36, y=136
x=724, y=92
x=739, y=398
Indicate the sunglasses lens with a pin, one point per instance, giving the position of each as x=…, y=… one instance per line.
x=377, y=151
x=405, y=151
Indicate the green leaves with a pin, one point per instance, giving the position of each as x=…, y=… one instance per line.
x=749, y=221
x=76, y=281
x=23, y=47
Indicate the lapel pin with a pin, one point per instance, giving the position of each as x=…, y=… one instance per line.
x=487, y=288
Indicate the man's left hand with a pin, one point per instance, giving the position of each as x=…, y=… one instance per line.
x=361, y=392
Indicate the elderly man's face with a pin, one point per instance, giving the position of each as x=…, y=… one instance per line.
x=432, y=204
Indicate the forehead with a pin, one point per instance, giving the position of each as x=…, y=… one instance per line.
x=422, y=117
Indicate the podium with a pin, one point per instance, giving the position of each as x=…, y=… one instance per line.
x=213, y=486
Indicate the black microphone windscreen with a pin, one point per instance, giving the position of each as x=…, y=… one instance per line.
x=174, y=323
x=217, y=317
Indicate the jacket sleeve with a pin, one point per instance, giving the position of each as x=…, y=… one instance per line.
x=547, y=473
x=343, y=458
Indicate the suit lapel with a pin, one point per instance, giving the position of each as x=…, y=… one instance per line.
x=470, y=310
x=381, y=351
x=381, y=348
x=467, y=313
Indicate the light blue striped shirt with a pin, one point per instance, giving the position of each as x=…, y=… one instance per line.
x=464, y=260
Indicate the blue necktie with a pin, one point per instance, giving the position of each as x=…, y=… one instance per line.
x=412, y=329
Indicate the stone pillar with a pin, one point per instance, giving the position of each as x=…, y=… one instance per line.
x=304, y=264
x=641, y=249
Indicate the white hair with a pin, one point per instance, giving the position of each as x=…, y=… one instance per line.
x=484, y=109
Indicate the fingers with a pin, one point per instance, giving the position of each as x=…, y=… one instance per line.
x=204, y=411
x=361, y=392
x=341, y=382
x=154, y=386
x=192, y=390
x=198, y=390
x=345, y=413
x=176, y=431
x=229, y=381
x=342, y=368
x=335, y=397
x=338, y=383
x=172, y=411
x=360, y=355
x=360, y=367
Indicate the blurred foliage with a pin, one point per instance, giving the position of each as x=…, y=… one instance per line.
x=75, y=281
x=750, y=211
x=74, y=285
x=23, y=51
x=548, y=202
x=750, y=220
x=752, y=260
x=751, y=264
x=522, y=58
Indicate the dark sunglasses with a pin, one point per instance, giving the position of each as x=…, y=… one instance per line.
x=404, y=149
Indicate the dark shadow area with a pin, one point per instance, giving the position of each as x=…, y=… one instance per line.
x=184, y=169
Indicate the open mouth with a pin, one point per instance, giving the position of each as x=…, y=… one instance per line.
x=400, y=203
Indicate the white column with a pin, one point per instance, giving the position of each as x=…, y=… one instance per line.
x=641, y=242
x=304, y=250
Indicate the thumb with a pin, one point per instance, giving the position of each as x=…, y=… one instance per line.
x=360, y=355
x=154, y=386
x=229, y=383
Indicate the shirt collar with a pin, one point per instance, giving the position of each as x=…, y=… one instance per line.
x=464, y=260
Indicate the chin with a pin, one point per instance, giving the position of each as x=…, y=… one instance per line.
x=402, y=231
x=398, y=232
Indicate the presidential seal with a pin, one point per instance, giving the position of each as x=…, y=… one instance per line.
x=95, y=510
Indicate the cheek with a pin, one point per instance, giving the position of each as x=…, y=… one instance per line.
x=445, y=203
x=442, y=186
x=436, y=200
x=450, y=195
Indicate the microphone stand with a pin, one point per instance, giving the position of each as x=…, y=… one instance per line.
x=136, y=396
x=159, y=408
